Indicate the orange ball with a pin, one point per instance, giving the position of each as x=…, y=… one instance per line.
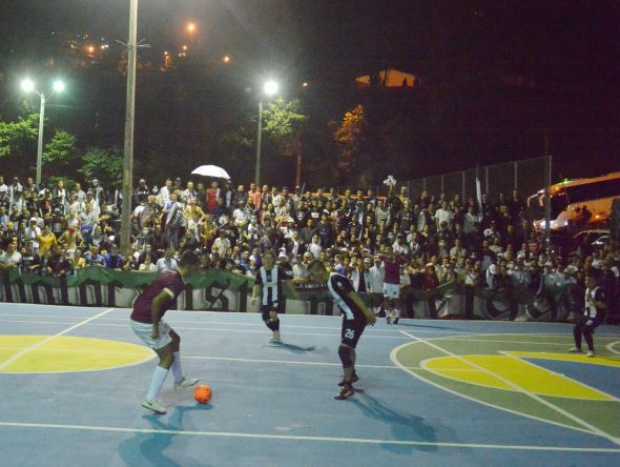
x=203, y=394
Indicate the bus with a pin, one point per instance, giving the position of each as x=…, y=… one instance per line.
x=576, y=204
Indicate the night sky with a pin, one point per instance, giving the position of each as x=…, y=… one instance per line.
x=564, y=55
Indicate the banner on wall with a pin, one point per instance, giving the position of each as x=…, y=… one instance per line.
x=218, y=290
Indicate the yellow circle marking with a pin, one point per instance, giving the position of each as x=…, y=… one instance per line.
x=531, y=378
x=68, y=354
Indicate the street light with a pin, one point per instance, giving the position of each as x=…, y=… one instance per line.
x=270, y=89
x=191, y=27
x=58, y=86
x=28, y=86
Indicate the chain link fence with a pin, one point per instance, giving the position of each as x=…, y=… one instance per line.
x=524, y=176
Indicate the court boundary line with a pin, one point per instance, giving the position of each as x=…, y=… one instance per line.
x=284, y=362
x=430, y=320
x=328, y=439
x=565, y=413
x=38, y=345
x=335, y=334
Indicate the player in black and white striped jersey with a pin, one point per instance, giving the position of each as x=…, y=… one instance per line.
x=595, y=306
x=269, y=279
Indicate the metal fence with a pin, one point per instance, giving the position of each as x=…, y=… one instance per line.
x=525, y=176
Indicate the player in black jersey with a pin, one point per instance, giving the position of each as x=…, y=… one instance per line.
x=356, y=316
x=269, y=279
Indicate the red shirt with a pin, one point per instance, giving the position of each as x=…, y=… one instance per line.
x=392, y=270
x=142, y=308
x=211, y=200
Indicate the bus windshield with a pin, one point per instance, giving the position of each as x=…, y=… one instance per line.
x=536, y=209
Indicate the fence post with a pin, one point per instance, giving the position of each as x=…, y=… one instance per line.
x=443, y=190
x=516, y=172
x=486, y=180
x=548, y=200
x=424, y=184
x=463, y=187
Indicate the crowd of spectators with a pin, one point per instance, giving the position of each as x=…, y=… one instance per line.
x=435, y=239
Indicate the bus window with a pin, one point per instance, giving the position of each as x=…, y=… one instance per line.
x=592, y=191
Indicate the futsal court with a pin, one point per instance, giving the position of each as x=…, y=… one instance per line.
x=435, y=393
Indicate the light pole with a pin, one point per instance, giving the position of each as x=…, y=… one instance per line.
x=270, y=89
x=132, y=52
x=28, y=86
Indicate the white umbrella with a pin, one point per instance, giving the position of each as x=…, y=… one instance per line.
x=211, y=171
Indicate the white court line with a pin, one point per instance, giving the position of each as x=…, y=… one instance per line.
x=520, y=389
x=611, y=346
x=324, y=439
x=282, y=362
x=563, y=344
x=413, y=371
x=217, y=330
x=40, y=344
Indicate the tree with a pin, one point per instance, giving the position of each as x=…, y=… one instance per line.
x=59, y=153
x=284, y=124
x=18, y=137
x=350, y=136
x=103, y=164
x=237, y=148
x=61, y=149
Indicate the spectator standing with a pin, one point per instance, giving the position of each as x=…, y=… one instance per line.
x=114, y=260
x=174, y=221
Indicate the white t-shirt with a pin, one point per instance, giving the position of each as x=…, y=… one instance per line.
x=167, y=265
x=315, y=249
x=13, y=259
x=443, y=215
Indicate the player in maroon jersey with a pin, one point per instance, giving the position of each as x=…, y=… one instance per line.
x=391, y=286
x=148, y=324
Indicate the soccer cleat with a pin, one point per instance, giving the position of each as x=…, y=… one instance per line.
x=575, y=350
x=154, y=406
x=590, y=354
x=346, y=392
x=275, y=340
x=355, y=379
x=186, y=383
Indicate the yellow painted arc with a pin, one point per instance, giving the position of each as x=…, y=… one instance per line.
x=531, y=378
x=68, y=354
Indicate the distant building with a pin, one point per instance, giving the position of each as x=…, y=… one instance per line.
x=388, y=78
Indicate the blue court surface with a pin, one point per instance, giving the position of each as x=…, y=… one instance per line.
x=435, y=393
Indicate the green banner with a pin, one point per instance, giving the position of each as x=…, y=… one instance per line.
x=126, y=279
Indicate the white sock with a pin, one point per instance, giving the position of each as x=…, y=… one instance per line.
x=159, y=376
x=177, y=371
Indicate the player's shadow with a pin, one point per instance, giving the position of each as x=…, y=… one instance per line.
x=150, y=448
x=429, y=326
x=404, y=426
x=294, y=348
